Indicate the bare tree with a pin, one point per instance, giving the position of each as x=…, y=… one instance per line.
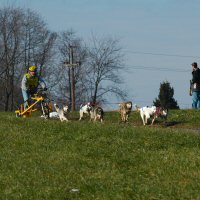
x=105, y=62
x=72, y=50
x=38, y=40
x=10, y=28
x=24, y=40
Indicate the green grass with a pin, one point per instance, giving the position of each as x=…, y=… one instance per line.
x=47, y=159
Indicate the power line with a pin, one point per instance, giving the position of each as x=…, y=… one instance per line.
x=136, y=67
x=162, y=54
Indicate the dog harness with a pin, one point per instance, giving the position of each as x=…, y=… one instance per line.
x=158, y=111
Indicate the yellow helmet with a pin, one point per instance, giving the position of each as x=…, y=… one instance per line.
x=32, y=68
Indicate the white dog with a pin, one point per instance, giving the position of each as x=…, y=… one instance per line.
x=153, y=112
x=62, y=113
x=53, y=115
x=85, y=109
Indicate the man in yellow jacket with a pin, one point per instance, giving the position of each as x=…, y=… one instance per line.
x=30, y=83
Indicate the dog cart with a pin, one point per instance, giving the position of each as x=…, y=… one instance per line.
x=39, y=101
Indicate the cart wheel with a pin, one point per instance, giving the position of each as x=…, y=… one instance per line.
x=17, y=113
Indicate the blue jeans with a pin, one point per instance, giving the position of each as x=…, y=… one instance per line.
x=26, y=95
x=196, y=100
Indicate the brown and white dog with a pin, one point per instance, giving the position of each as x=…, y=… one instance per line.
x=125, y=110
x=62, y=113
x=152, y=112
x=96, y=113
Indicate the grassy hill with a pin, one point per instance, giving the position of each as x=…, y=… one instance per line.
x=83, y=160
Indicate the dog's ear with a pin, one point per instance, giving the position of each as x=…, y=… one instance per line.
x=56, y=106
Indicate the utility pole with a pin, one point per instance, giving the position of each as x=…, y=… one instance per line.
x=71, y=64
x=72, y=79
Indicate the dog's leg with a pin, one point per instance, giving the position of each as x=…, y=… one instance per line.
x=127, y=117
x=153, y=119
x=95, y=118
x=142, y=116
x=147, y=117
x=102, y=118
x=121, y=116
x=143, y=119
x=65, y=119
x=90, y=118
x=81, y=115
x=124, y=117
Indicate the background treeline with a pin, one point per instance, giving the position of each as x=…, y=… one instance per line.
x=26, y=40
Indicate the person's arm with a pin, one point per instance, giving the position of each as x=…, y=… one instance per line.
x=24, y=85
x=190, y=92
x=42, y=83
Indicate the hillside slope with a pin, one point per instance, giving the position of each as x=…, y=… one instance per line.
x=82, y=160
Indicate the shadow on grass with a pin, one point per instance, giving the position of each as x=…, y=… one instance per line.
x=172, y=123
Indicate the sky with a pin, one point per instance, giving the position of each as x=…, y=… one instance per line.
x=160, y=38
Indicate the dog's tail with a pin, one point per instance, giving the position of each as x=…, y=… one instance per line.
x=56, y=107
